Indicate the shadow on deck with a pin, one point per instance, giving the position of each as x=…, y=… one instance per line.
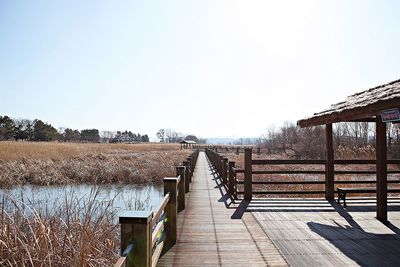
x=315, y=232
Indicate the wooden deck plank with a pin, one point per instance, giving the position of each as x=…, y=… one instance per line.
x=314, y=232
x=207, y=236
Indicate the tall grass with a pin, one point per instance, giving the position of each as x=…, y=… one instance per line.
x=70, y=232
x=10, y=150
x=60, y=164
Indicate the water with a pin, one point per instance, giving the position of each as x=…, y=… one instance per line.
x=123, y=197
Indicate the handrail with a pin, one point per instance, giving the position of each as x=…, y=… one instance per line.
x=157, y=253
x=317, y=182
x=160, y=209
x=122, y=260
x=219, y=165
x=154, y=233
x=159, y=228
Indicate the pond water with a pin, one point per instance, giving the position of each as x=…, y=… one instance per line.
x=123, y=197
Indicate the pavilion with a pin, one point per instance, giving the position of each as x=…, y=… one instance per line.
x=187, y=144
x=379, y=105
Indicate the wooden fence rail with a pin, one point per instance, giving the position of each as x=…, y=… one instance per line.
x=223, y=165
x=146, y=235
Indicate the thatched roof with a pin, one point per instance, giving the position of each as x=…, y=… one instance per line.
x=187, y=142
x=362, y=105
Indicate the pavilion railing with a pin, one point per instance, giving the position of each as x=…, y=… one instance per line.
x=241, y=181
x=146, y=235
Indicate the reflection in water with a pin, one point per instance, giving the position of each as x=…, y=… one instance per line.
x=118, y=197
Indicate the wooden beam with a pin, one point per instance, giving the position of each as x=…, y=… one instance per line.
x=356, y=113
x=381, y=170
x=329, y=167
x=364, y=120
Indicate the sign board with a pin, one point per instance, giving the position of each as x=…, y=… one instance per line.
x=391, y=115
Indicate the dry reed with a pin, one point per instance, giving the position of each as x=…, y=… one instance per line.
x=71, y=232
x=64, y=163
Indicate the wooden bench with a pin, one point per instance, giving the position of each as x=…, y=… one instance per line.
x=342, y=192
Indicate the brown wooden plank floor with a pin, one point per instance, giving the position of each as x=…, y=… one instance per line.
x=313, y=232
x=207, y=236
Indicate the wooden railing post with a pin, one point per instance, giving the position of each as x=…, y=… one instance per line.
x=171, y=226
x=180, y=172
x=189, y=160
x=135, y=229
x=220, y=165
x=187, y=176
x=225, y=170
x=248, y=194
x=231, y=185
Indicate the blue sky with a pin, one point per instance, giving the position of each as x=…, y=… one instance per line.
x=211, y=68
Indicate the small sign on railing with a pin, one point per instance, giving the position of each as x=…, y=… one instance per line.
x=391, y=115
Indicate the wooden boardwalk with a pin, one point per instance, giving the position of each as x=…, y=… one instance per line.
x=314, y=232
x=207, y=236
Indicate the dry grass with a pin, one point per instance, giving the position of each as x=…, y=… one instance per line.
x=70, y=163
x=10, y=150
x=71, y=233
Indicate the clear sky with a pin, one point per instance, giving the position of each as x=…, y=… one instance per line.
x=210, y=68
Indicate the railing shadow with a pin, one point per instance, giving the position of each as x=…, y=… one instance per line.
x=366, y=249
x=226, y=198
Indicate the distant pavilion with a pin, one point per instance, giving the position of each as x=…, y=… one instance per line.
x=187, y=144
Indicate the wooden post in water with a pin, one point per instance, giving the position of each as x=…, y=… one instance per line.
x=180, y=172
x=171, y=187
x=231, y=185
x=381, y=170
x=329, y=165
x=135, y=229
x=248, y=190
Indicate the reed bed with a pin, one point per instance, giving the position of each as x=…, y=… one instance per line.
x=65, y=163
x=69, y=232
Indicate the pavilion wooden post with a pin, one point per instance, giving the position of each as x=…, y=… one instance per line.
x=381, y=170
x=248, y=194
x=329, y=167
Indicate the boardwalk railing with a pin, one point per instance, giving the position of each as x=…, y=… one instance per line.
x=266, y=167
x=146, y=235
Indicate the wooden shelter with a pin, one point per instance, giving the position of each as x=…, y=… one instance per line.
x=380, y=105
x=187, y=144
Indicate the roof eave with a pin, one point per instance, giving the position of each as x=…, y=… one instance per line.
x=351, y=114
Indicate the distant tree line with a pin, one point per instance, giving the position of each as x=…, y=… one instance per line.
x=37, y=130
x=171, y=136
x=310, y=142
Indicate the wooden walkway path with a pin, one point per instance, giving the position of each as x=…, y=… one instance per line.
x=314, y=232
x=207, y=236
